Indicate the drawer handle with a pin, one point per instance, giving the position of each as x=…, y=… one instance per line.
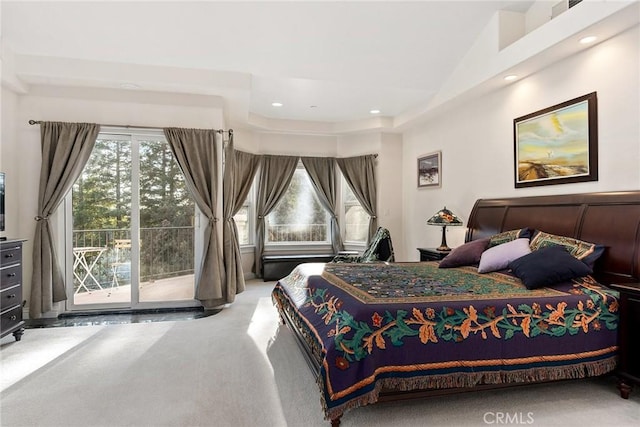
x=14, y=317
x=11, y=275
x=8, y=256
x=11, y=296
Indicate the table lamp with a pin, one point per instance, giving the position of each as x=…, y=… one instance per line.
x=443, y=218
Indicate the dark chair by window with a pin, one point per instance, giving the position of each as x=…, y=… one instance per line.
x=379, y=249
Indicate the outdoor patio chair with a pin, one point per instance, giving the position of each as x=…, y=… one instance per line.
x=121, y=265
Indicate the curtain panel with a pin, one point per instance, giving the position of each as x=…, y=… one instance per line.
x=275, y=175
x=239, y=171
x=66, y=147
x=322, y=171
x=359, y=172
x=198, y=154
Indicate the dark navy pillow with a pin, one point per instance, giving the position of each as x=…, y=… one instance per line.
x=548, y=266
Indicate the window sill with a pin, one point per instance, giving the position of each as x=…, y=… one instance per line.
x=247, y=249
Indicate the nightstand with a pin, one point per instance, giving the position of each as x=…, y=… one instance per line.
x=628, y=343
x=431, y=254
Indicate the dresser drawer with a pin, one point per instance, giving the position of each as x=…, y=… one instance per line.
x=11, y=255
x=10, y=276
x=10, y=319
x=10, y=296
x=11, y=288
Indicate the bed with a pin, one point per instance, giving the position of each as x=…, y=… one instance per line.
x=386, y=331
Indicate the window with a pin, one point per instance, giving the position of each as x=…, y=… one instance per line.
x=299, y=217
x=356, y=219
x=244, y=220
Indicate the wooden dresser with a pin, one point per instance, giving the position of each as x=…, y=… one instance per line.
x=11, y=288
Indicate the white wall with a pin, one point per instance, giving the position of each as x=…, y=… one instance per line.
x=9, y=151
x=389, y=197
x=477, y=139
x=297, y=145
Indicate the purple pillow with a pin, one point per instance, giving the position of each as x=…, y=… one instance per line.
x=467, y=254
x=499, y=257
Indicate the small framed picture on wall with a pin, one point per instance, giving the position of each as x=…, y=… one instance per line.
x=430, y=170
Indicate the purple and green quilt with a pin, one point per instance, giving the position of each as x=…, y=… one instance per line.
x=408, y=326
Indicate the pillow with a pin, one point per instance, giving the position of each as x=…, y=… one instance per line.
x=467, y=254
x=508, y=236
x=584, y=251
x=548, y=266
x=499, y=257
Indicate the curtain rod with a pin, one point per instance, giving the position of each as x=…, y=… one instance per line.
x=230, y=131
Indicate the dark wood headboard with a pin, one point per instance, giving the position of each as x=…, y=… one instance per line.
x=610, y=219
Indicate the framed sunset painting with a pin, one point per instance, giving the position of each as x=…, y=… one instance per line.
x=557, y=145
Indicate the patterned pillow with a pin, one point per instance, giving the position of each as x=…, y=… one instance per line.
x=584, y=251
x=507, y=236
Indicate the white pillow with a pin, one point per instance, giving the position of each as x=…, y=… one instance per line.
x=499, y=257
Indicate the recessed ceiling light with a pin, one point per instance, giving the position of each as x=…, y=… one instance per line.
x=276, y=104
x=588, y=39
x=510, y=77
x=374, y=111
x=129, y=86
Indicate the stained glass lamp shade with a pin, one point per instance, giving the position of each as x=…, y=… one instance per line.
x=444, y=218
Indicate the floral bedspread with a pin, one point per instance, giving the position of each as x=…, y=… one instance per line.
x=412, y=325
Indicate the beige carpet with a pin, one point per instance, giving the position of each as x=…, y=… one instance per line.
x=238, y=368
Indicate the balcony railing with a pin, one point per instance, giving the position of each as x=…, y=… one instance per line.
x=279, y=233
x=164, y=252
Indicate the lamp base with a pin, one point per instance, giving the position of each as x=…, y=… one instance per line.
x=443, y=246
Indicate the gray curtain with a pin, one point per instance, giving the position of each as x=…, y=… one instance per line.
x=322, y=171
x=198, y=154
x=66, y=147
x=359, y=172
x=275, y=175
x=239, y=170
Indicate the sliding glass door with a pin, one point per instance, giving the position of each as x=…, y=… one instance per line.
x=132, y=223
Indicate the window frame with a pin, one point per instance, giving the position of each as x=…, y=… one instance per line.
x=342, y=217
x=249, y=204
x=135, y=136
x=306, y=246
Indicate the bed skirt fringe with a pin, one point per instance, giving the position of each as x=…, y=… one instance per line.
x=471, y=379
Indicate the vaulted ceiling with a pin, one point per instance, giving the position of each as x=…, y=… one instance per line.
x=326, y=62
